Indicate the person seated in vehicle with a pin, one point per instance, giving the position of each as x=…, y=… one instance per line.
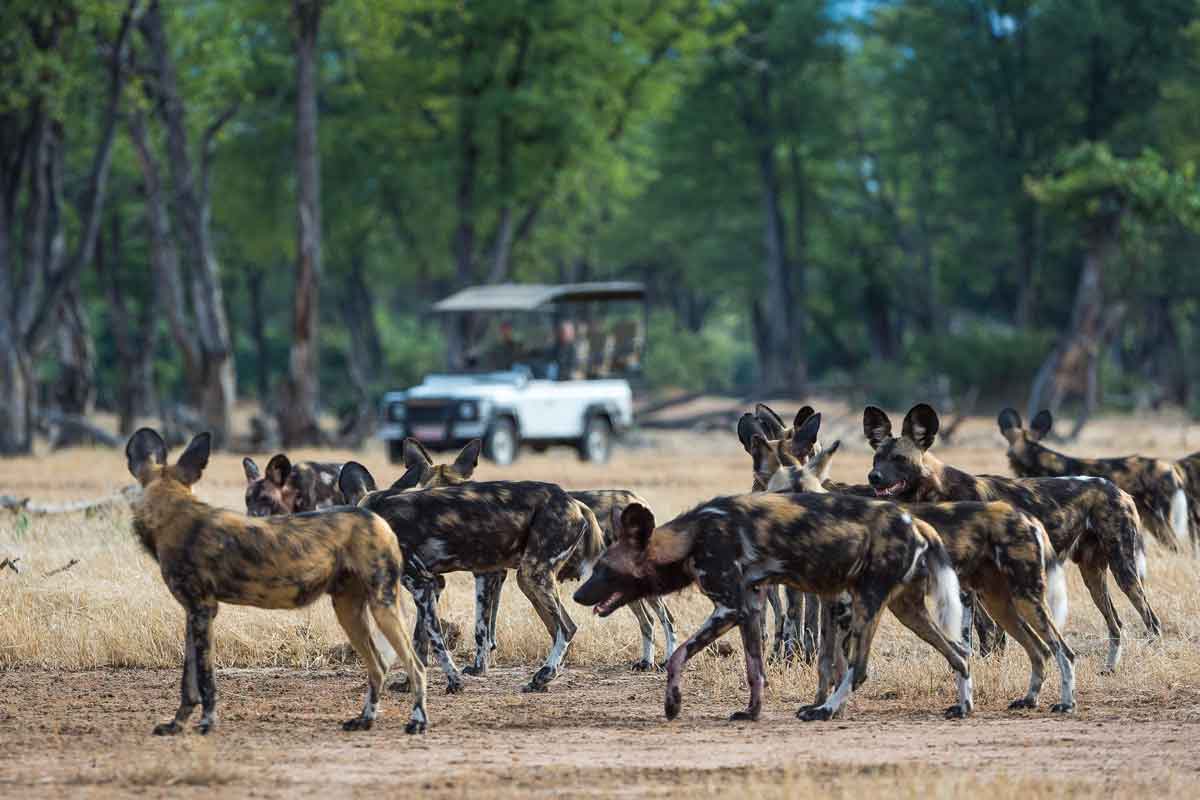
x=561, y=354
x=497, y=352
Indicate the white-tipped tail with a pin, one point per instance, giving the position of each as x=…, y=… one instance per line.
x=1056, y=593
x=946, y=597
x=1179, y=518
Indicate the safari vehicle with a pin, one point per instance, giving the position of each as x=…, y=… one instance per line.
x=566, y=382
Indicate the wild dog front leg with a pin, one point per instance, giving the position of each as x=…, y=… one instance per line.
x=756, y=679
x=831, y=658
x=351, y=609
x=484, y=584
x=777, y=609
x=668, y=625
x=646, y=628
x=812, y=626
x=721, y=620
x=495, y=586
x=189, y=689
x=862, y=632
x=423, y=590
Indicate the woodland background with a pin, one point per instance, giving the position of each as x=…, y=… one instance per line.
x=210, y=201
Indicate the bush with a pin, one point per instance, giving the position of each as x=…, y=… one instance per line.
x=719, y=358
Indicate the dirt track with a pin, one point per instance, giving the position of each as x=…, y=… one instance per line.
x=596, y=732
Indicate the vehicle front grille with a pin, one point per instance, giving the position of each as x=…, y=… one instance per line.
x=425, y=413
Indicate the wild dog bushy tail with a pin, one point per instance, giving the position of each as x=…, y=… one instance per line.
x=1056, y=589
x=591, y=542
x=943, y=582
x=1180, y=515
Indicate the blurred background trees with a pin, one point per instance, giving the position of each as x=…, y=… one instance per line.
x=212, y=201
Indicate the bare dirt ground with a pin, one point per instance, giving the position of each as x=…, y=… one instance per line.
x=88, y=664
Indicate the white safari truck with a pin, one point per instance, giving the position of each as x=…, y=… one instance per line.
x=564, y=381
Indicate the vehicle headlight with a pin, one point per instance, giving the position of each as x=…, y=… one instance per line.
x=396, y=412
x=468, y=409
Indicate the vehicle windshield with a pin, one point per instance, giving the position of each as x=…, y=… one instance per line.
x=558, y=347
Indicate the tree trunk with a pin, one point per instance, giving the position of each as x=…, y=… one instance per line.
x=134, y=339
x=262, y=378
x=1071, y=366
x=214, y=382
x=74, y=389
x=32, y=143
x=298, y=416
x=1027, y=263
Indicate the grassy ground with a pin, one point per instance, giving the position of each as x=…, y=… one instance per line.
x=111, y=610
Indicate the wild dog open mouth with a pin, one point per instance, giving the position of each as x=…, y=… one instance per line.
x=888, y=491
x=607, y=606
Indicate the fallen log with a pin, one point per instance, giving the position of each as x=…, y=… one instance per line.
x=122, y=498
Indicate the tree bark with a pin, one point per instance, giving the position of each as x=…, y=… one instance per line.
x=213, y=381
x=254, y=287
x=299, y=413
x=1071, y=367
x=134, y=338
x=74, y=390
x=32, y=143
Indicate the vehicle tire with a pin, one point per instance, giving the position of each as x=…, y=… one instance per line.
x=595, y=445
x=395, y=448
x=501, y=444
x=539, y=447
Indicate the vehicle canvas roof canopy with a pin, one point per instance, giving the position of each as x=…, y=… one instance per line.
x=536, y=296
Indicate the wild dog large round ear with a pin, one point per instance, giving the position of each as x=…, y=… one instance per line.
x=804, y=413
x=1041, y=425
x=468, y=458
x=804, y=437
x=772, y=423
x=877, y=427
x=921, y=425
x=411, y=479
x=194, y=458
x=278, y=469
x=748, y=425
x=1010, y=424
x=145, y=448
x=251, y=469
x=415, y=454
x=355, y=482
x=637, y=523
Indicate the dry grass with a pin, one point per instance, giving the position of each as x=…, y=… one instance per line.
x=112, y=610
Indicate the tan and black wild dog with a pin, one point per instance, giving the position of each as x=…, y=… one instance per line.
x=287, y=489
x=210, y=556
x=1090, y=520
x=535, y=528
x=606, y=504
x=1189, y=467
x=1003, y=555
x=822, y=544
x=797, y=623
x=1156, y=485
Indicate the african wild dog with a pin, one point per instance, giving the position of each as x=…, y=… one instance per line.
x=1090, y=520
x=286, y=488
x=606, y=504
x=822, y=544
x=210, y=556
x=1004, y=555
x=799, y=444
x=535, y=528
x=797, y=628
x=1156, y=486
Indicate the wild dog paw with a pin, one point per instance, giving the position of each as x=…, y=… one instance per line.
x=814, y=714
x=957, y=712
x=358, y=724
x=744, y=716
x=475, y=670
x=673, y=702
x=541, y=679
x=645, y=665
x=415, y=726
x=1022, y=702
x=205, y=726
x=1062, y=708
x=454, y=685
x=167, y=728
x=534, y=687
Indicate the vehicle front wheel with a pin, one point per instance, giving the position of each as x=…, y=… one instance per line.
x=501, y=443
x=596, y=443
